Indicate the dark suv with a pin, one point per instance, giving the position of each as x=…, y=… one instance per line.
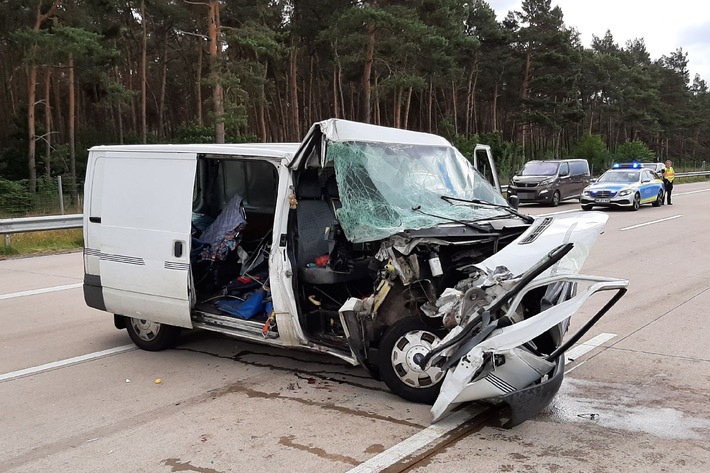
x=550, y=182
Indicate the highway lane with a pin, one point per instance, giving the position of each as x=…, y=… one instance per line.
x=230, y=406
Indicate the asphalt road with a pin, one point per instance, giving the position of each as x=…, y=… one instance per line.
x=636, y=402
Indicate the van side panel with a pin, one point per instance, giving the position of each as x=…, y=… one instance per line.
x=139, y=230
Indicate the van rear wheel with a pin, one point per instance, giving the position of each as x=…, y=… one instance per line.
x=151, y=336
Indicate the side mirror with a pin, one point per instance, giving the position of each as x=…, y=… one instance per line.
x=564, y=174
x=514, y=201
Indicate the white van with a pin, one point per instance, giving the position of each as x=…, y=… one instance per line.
x=344, y=244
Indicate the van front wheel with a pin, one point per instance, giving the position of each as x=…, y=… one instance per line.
x=151, y=336
x=401, y=348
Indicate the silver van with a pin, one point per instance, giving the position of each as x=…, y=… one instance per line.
x=550, y=182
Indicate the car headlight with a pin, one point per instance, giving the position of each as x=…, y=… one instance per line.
x=625, y=191
x=546, y=182
x=585, y=192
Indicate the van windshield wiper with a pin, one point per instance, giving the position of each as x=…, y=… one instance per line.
x=510, y=210
x=475, y=226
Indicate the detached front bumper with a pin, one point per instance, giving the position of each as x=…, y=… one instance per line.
x=502, y=368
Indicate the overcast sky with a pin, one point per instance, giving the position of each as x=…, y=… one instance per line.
x=664, y=26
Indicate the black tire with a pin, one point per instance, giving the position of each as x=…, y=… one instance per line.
x=151, y=336
x=637, y=202
x=403, y=343
x=587, y=207
x=659, y=199
x=555, y=199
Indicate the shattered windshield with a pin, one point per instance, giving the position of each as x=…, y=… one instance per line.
x=386, y=188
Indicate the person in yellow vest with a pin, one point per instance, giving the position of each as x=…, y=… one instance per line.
x=668, y=176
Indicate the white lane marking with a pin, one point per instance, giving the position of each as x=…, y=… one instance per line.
x=67, y=362
x=689, y=192
x=417, y=441
x=651, y=222
x=579, y=350
x=45, y=290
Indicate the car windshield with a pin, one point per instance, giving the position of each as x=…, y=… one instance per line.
x=386, y=188
x=539, y=169
x=619, y=176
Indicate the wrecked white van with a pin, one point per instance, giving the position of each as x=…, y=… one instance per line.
x=383, y=247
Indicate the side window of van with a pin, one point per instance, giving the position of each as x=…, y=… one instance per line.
x=564, y=169
x=578, y=168
x=255, y=181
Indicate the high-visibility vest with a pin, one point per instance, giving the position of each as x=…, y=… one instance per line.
x=669, y=174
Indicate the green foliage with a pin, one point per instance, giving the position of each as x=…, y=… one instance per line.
x=594, y=150
x=524, y=84
x=633, y=151
x=194, y=133
x=15, y=200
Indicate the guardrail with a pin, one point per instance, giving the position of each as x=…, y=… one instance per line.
x=9, y=226
x=38, y=224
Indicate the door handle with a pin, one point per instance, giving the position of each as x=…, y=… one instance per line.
x=95, y=219
x=177, y=249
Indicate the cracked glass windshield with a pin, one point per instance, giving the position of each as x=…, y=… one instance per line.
x=385, y=188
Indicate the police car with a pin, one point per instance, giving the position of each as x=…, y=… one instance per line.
x=624, y=186
x=655, y=167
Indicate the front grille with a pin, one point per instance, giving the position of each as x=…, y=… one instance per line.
x=602, y=193
x=526, y=184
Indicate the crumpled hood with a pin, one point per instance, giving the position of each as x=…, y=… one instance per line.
x=547, y=233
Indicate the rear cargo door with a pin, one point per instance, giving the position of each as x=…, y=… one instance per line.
x=144, y=236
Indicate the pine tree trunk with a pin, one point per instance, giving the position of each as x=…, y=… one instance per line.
x=407, y=108
x=293, y=89
x=524, y=96
x=217, y=92
x=378, y=111
x=72, y=119
x=144, y=75
x=431, y=103
x=397, y=107
x=454, y=99
x=336, y=107
x=198, y=83
x=469, y=101
x=367, y=72
x=32, y=99
x=163, y=83
x=47, y=122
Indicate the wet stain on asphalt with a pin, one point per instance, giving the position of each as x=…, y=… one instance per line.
x=634, y=409
x=375, y=448
x=287, y=441
x=176, y=465
x=252, y=393
x=324, y=375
